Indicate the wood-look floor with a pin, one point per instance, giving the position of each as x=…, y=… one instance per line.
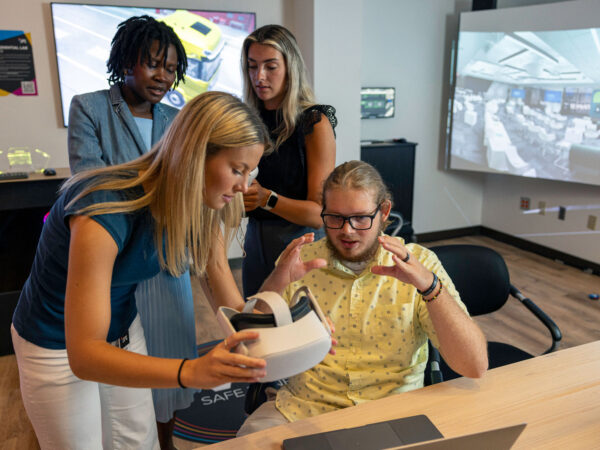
x=561, y=291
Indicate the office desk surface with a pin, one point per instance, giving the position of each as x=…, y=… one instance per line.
x=37, y=191
x=61, y=173
x=557, y=395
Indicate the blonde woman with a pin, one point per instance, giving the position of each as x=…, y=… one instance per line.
x=285, y=200
x=77, y=336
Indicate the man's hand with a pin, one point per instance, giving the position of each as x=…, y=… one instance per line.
x=406, y=268
x=290, y=267
x=255, y=196
x=461, y=342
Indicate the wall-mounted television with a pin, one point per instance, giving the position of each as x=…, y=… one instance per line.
x=526, y=97
x=377, y=102
x=212, y=41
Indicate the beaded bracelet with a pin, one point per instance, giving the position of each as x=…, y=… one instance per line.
x=431, y=288
x=179, y=373
x=428, y=300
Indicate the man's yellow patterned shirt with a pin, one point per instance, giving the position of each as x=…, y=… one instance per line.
x=381, y=324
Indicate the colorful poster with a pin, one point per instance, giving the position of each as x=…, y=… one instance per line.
x=17, y=74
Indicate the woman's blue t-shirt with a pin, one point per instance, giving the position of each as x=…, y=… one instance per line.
x=39, y=315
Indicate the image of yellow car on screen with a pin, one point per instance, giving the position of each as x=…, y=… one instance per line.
x=203, y=43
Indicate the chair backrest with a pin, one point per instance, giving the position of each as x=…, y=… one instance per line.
x=479, y=274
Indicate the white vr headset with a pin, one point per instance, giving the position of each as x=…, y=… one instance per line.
x=291, y=339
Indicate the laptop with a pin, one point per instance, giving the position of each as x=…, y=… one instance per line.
x=415, y=432
x=497, y=439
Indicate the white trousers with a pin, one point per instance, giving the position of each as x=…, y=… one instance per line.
x=69, y=413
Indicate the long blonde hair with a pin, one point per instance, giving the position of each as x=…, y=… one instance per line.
x=172, y=176
x=298, y=95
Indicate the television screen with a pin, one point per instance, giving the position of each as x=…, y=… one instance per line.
x=377, y=102
x=212, y=41
x=526, y=95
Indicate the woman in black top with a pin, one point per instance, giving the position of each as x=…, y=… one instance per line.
x=284, y=201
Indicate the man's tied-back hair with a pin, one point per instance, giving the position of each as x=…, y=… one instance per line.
x=131, y=44
x=357, y=175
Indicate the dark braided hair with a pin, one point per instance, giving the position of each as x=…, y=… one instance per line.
x=131, y=44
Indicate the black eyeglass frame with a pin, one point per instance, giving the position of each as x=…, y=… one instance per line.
x=349, y=219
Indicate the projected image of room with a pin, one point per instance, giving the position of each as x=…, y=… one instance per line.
x=527, y=102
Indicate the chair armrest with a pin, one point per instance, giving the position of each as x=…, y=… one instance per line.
x=541, y=315
x=396, y=217
x=434, y=360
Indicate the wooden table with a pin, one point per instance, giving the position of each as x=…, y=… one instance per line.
x=557, y=395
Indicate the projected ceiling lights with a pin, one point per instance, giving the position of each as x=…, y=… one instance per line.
x=528, y=57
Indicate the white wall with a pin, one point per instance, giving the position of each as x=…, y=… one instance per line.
x=501, y=201
x=299, y=19
x=501, y=212
x=36, y=121
x=406, y=45
x=338, y=44
x=329, y=33
x=346, y=44
x=333, y=63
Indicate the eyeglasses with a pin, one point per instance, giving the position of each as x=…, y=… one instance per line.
x=362, y=222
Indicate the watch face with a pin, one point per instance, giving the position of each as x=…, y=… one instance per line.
x=272, y=201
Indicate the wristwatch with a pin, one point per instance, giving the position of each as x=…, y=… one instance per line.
x=271, y=201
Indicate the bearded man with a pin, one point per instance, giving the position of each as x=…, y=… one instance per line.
x=385, y=298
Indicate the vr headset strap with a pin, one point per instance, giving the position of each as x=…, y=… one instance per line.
x=304, y=290
x=281, y=311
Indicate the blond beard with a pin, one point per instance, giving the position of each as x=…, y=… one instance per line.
x=367, y=255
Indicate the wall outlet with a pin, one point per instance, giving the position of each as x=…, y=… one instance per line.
x=562, y=212
x=542, y=208
x=591, y=224
x=524, y=204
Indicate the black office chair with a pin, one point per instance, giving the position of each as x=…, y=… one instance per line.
x=481, y=277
